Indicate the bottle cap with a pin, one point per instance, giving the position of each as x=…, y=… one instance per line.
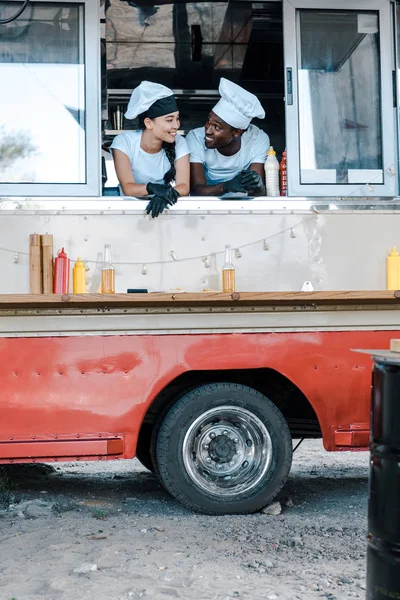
x=61, y=253
x=394, y=252
x=271, y=150
x=79, y=263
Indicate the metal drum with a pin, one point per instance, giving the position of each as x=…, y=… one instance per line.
x=383, y=556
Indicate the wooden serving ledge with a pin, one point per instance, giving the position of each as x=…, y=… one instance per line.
x=214, y=299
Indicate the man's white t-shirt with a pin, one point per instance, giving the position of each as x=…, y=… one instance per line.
x=147, y=167
x=219, y=168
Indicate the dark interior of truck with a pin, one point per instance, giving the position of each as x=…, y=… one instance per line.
x=189, y=46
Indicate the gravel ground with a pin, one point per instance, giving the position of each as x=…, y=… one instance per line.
x=109, y=531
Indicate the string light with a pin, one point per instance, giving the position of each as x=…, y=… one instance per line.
x=202, y=257
x=205, y=259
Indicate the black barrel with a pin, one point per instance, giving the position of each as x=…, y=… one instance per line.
x=383, y=555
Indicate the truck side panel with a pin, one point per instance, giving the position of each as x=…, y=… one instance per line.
x=95, y=387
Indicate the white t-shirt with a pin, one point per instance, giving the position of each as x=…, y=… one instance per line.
x=219, y=168
x=147, y=167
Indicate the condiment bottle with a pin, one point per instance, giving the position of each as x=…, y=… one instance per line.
x=35, y=270
x=79, y=277
x=283, y=174
x=61, y=273
x=228, y=272
x=272, y=173
x=393, y=270
x=213, y=275
x=107, y=272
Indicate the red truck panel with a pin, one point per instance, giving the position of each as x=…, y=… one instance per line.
x=63, y=386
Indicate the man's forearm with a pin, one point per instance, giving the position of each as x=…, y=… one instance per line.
x=207, y=190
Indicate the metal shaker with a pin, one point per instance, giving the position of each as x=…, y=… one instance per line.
x=118, y=116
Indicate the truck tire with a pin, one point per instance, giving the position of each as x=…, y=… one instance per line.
x=143, y=453
x=223, y=448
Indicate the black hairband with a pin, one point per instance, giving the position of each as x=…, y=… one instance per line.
x=161, y=107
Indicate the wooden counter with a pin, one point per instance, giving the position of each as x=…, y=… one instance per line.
x=202, y=299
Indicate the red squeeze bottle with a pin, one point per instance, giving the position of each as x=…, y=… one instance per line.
x=61, y=273
x=283, y=174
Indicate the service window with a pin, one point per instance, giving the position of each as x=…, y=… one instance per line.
x=328, y=97
x=189, y=46
x=340, y=113
x=49, y=101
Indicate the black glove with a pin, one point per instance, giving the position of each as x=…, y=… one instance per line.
x=156, y=206
x=234, y=185
x=163, y=190
x=252, y=182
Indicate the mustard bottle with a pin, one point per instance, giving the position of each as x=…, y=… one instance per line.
x=79, y=277
x=393, y=270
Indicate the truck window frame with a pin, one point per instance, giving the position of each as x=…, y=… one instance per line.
x=92, y=185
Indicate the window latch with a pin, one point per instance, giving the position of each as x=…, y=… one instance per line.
x=289, y=86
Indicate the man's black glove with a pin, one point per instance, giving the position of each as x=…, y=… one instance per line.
x=163, y=190
x=252, y=182
x=234, y=185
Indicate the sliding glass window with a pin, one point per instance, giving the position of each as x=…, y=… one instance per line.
x=49, y=104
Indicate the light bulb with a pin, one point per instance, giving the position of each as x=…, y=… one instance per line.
x=292, y=233
x=173, y=255
x=15, y=259
x=207, y=263
x=370, y=187
x=144, y=270
x=238, y=254
x=266, y=246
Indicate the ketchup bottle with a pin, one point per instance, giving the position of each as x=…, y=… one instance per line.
x=61, y=273
x=283, y=174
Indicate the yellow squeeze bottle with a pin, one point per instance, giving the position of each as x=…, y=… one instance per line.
x=393, y=270
x=79, y=277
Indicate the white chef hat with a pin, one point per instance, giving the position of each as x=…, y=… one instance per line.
x=151, y=98
x=237, y=106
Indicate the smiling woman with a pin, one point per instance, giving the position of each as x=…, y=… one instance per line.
x=154, y=160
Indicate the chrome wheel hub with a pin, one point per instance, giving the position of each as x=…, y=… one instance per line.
x=227, y=450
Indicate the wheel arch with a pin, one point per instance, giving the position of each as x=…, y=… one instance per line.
x=290, y=400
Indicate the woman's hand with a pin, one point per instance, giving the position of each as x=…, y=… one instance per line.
x=164, y=195
x=163, y=190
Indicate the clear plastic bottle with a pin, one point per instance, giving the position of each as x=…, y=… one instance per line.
x=228, y=272
x=213, y=275
x=107, y=272
x=272, y=173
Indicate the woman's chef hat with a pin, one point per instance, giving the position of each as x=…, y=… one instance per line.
x=237, y=106
x=151, y=98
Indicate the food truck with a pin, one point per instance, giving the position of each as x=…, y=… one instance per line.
x=208, y=389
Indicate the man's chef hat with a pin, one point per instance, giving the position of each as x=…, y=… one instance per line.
x=151, y=98
x=237, y=106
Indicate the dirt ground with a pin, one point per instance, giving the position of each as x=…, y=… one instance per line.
x=109, y=531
